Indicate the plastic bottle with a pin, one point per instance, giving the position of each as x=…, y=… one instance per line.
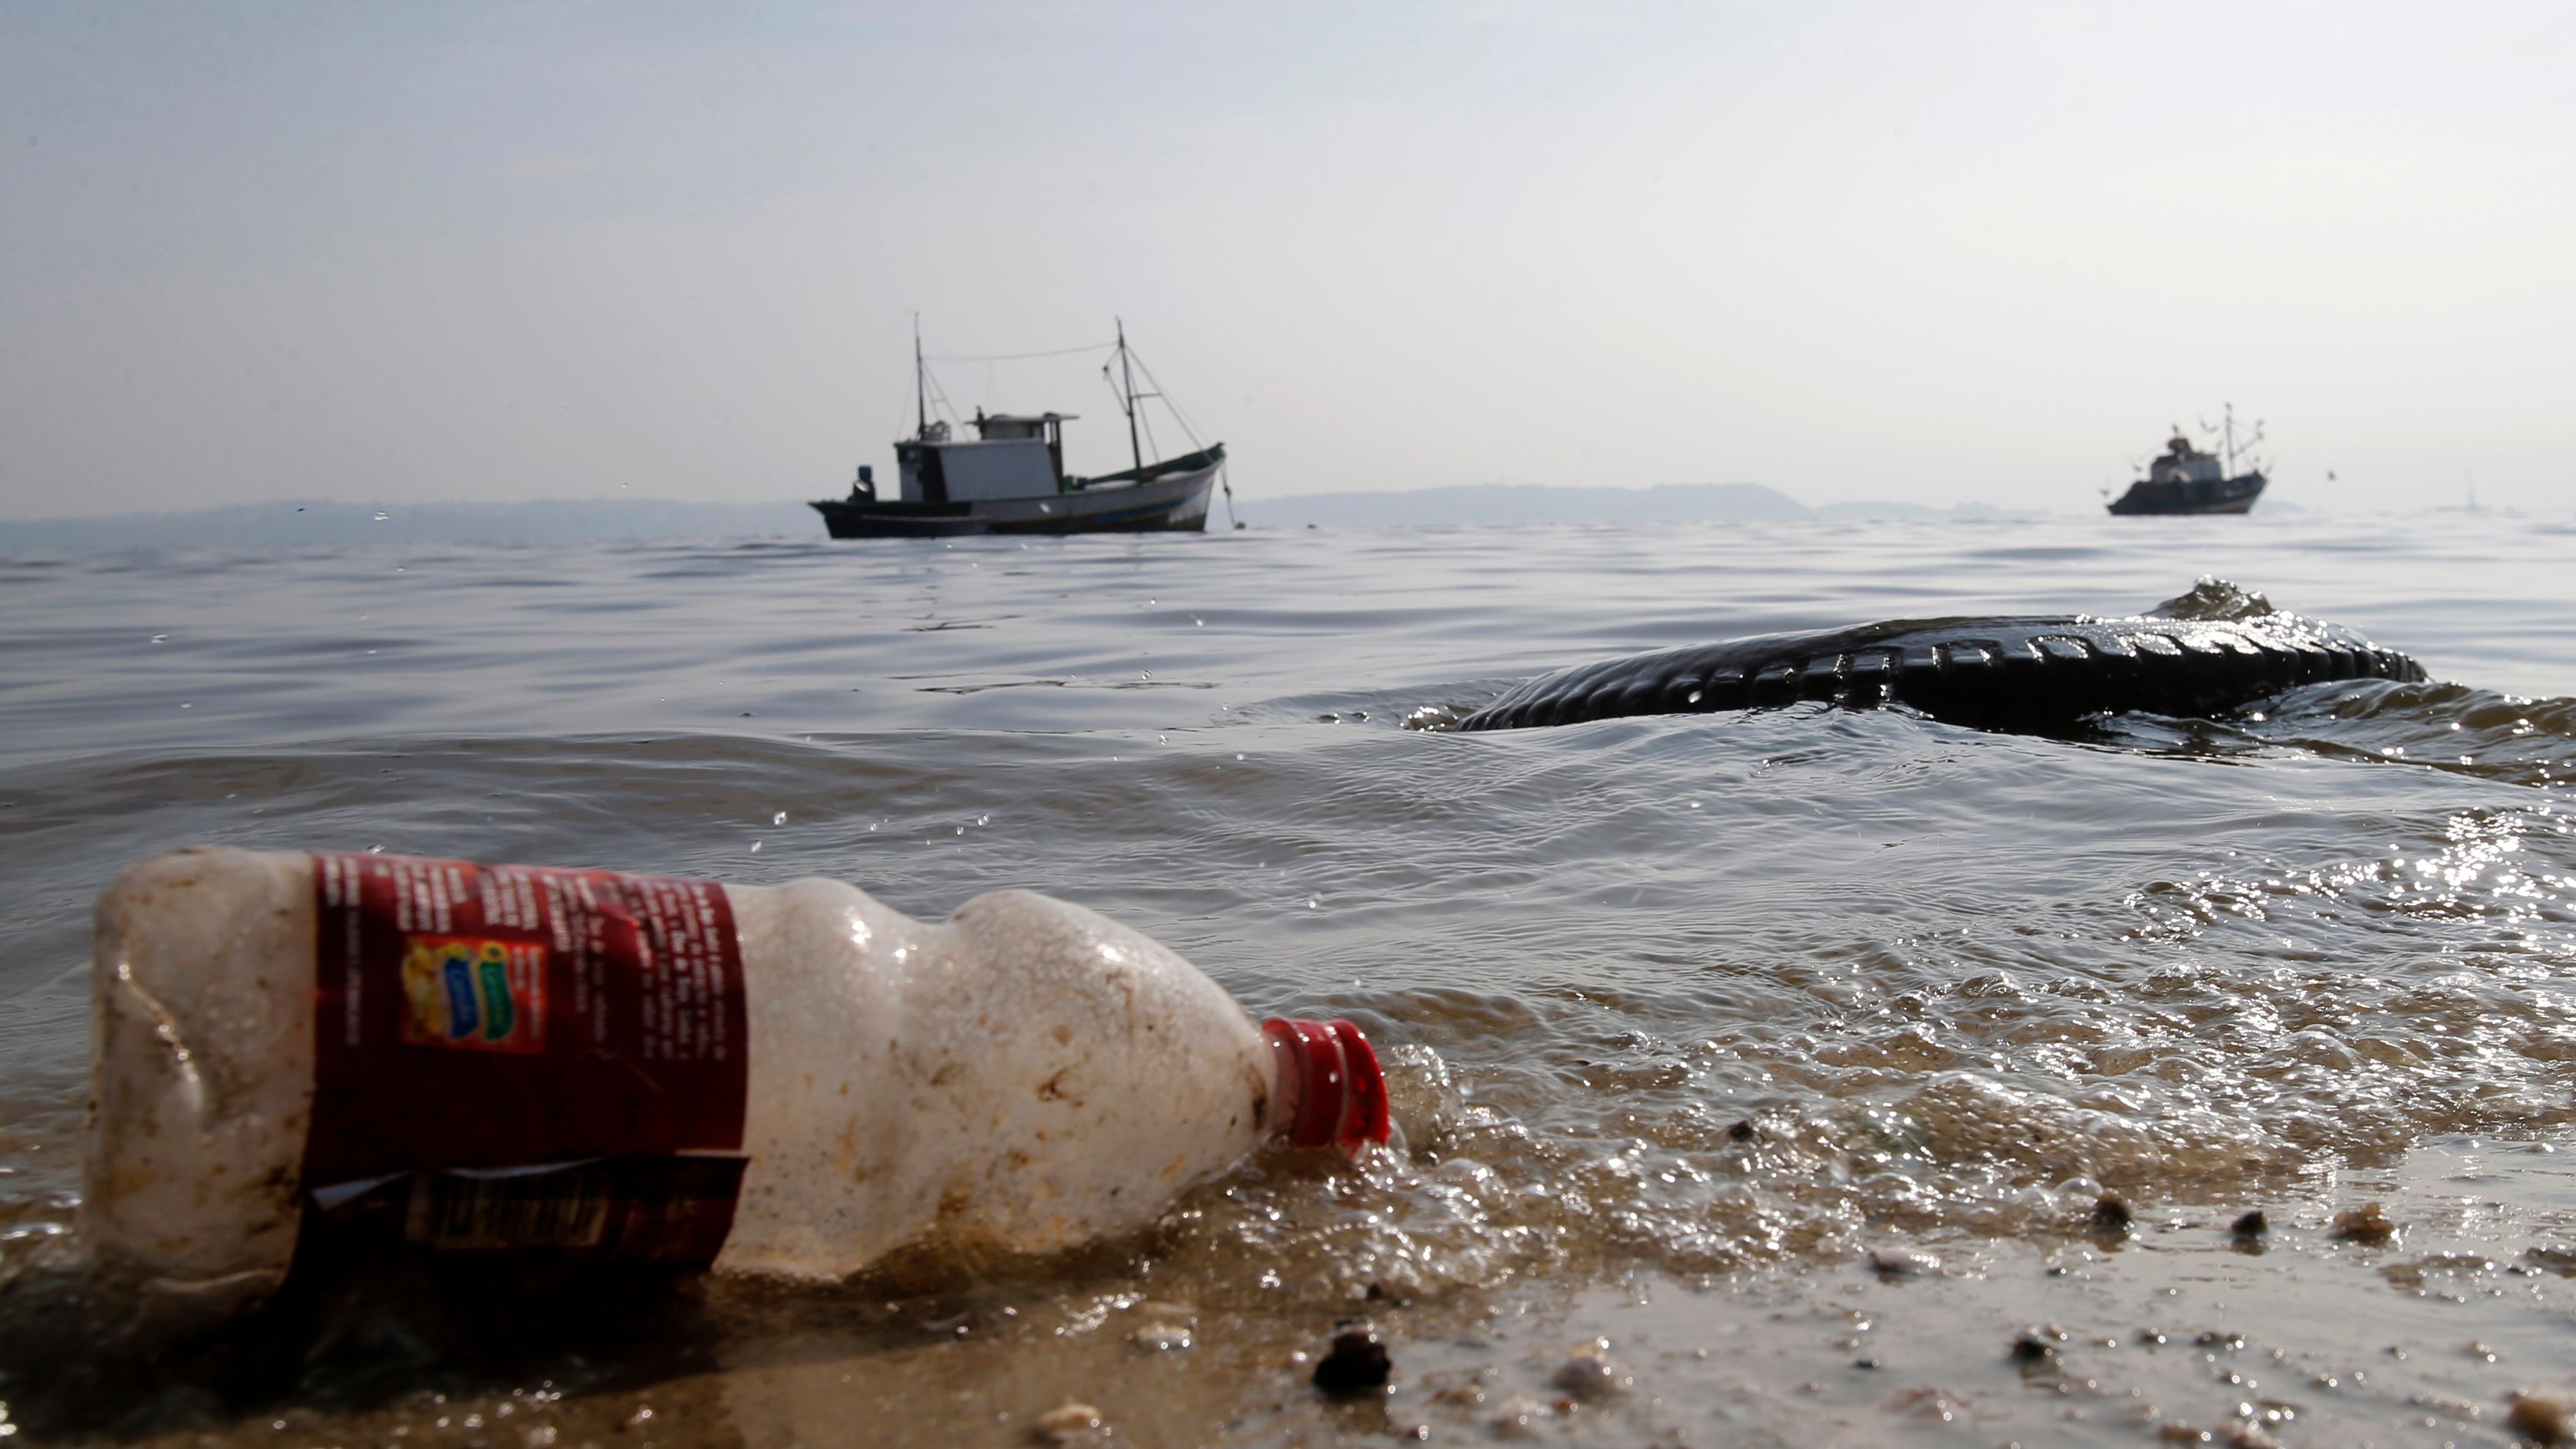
x=789, y=1080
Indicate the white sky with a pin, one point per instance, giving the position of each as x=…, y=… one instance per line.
x=1941, y=253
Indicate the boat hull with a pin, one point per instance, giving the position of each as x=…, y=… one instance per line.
x=1169, y=499
x=2169, y=500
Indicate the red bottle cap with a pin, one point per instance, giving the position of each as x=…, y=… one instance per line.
x=1331, y=1092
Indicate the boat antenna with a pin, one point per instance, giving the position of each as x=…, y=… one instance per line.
x=920, y=381
x=1128, y=402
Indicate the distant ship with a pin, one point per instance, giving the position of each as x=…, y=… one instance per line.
x=2187, y=480
x=1010, y=478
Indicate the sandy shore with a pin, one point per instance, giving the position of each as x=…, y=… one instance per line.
x=2174, y=1329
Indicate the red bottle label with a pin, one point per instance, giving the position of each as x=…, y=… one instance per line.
x=483, y=1017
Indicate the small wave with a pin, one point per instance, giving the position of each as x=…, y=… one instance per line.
x=2450, y=727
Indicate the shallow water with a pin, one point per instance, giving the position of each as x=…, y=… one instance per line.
x=1687, y=1014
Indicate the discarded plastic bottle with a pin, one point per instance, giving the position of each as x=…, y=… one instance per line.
x=790, y=1080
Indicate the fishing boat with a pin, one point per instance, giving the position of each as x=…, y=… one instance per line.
x=2186, y=480
x=1010, y=478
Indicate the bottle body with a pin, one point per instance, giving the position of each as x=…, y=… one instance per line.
x=1021, y=1077
x=1024, y=1076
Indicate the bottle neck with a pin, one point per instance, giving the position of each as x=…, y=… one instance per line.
x=1330, y=1092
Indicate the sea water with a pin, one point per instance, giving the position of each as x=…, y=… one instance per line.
x=1791, y=1053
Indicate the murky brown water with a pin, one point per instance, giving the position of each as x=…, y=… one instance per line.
x=1689, y=1016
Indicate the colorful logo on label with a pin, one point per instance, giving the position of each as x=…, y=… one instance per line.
x=477, y=995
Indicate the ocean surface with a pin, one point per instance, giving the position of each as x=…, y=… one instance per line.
x=1688, y=1017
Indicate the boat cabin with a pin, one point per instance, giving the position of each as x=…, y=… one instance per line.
x=2182, y=463
x=1011, y=456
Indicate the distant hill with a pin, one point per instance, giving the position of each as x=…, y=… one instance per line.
x=1883, y=508
x=1879, y=510
x=1527, y=503
x=313, y=521
x=574, y=520
x=1495, y=503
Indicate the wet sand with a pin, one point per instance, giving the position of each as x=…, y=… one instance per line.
x=2176, y=1329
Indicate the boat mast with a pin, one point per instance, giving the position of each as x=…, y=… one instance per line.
x=1128, y=401
x=920, y=382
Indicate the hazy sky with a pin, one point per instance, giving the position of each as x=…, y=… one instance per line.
x=1979, y=251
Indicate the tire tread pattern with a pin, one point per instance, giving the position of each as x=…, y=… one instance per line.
x=2022, y=674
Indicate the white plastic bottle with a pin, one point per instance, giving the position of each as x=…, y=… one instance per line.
x=790, y=1080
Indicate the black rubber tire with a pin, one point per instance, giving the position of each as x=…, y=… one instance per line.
x=2032, y=674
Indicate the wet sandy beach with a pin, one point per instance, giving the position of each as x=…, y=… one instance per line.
x=2178, y=1328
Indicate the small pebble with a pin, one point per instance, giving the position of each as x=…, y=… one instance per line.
x=2541, y=1418
x=2367, y=1223
x=1925, y=1403
x=2252, y=1225
x=2032, y=1350
x=1458, y=1395
x=1895, y=1263
x=2111, y=1214
x=1356, y=1363
x=1161, y=1337
x=1741, y=1131
x=1068, y=1423
x=1518, y=1416
x=2561, y=1261
x=1588, y=1372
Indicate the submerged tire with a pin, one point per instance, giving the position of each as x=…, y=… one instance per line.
x=2029, y=674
